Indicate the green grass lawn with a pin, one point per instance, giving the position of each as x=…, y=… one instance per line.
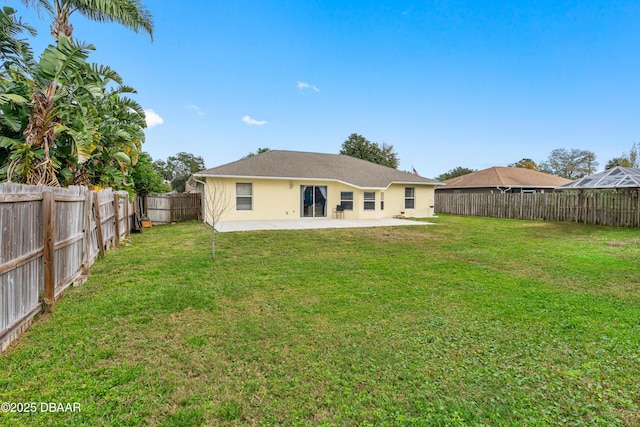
x=470, y=321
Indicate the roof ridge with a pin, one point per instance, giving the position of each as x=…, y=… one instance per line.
x=285, y=164
x=496, y=169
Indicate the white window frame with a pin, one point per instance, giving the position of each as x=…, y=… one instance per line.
x=244, y=196
x=370, y=202
x=411, y=198
x=348, y=201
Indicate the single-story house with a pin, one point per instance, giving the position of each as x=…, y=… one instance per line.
x=503, y=180
x=282, y=184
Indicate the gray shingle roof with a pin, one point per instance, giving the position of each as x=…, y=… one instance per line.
x=316, y=166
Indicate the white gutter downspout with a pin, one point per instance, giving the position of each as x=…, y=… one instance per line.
x=204, y=188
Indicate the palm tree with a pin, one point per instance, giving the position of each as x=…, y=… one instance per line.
x=129, y=13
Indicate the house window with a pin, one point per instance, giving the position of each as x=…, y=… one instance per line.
x=346, y=200
x=409, y=197
x=244, y=196
x=382, y=200
x=369, y=200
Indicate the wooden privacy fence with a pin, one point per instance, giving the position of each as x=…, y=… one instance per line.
x=168, y=208
x=613, y=208
x=50, y=237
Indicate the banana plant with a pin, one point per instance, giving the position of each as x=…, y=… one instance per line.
x=60, y=81
x=62, y=120
x=16, y=58
x=14, y=52
x=119, y=138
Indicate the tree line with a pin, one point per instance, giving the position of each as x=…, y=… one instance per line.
x=163, y=176
x=64, y=120
x=567, y=163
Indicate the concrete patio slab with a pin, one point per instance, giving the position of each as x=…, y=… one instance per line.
x=313, y=223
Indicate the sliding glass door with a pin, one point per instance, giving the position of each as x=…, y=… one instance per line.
x=313, y=201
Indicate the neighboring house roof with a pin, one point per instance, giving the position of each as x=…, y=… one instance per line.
x=281, y=164
x=506, y=177
x=618, y=177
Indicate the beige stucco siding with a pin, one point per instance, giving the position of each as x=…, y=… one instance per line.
x=281, y=199
x=394, y=201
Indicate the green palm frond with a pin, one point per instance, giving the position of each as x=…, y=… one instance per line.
x=129, y=13
x=107, y=73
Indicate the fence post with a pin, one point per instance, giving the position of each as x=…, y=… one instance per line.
x=87, y=230
x=96, y=209
x=171, y=208
x=127, y=226
x=48, y=218
x=521, y=203
x=116, y=214
x=638, y=207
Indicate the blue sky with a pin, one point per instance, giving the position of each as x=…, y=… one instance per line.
x=447, y=83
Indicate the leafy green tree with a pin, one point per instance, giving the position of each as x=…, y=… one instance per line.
x=179, y=168
x=145, y=179
x=117, y=140
x=453, y=173
x=570, y=164
x=131, y=14
x=14, y=52
x=61, y=80
x=77, y=131
x=618, y=161
x=260, y=151
x=358, y=146
x=16, y=59
x=634, y=155
x=629, y=159
x=525, y=163
x=74, y=130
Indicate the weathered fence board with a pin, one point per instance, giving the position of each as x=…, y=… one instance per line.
x=168, y=208
x=158, y=209
x=50, y=237
x=611, y=208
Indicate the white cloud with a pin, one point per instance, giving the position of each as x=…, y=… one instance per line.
x=153, y=119
x=306, y=86
x=248, y=120
x=196, y=109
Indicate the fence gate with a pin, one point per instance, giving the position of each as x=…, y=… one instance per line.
x=168, y=208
